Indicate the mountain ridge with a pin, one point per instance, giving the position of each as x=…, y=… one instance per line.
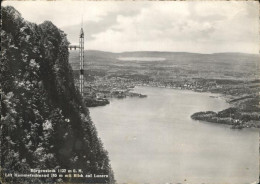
x=169, y=52
x=44, y=122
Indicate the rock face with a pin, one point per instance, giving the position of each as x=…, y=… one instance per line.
x=44, y=122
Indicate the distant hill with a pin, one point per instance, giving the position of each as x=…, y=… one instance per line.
x=44, y=122
x=177, y=57
x=175, y=64
x=168, y=55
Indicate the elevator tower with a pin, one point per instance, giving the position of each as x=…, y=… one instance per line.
x=81, y=62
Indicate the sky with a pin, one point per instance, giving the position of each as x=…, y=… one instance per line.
x=178, y=26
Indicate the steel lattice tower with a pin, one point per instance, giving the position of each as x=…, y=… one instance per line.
x=81, y=62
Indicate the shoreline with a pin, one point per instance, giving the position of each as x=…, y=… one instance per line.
x=242, y=96
x=212, y=117
x=179, y=130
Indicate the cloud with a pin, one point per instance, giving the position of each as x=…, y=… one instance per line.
x=185, y=26
x=62, y=13
x=93, y=27
x=193, y=26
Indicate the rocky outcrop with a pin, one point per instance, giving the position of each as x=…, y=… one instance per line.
x=44, y=122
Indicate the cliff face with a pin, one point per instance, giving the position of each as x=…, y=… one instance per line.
x=44, y=123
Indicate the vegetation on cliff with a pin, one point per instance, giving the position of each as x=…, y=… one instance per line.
x=44, y=122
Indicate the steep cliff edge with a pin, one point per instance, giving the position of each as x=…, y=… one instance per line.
x=44, y=123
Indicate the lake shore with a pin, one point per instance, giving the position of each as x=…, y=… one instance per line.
x=235, y=116
x=238, y=116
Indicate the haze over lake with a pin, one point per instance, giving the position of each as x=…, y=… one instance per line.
x=141, y=59
x=154, y=140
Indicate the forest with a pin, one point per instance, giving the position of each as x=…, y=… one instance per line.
x=44, y=122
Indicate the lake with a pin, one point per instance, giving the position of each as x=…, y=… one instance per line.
x=154, y=140
x=141, y=59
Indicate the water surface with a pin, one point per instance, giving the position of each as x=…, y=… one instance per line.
x=141, y=59
x=154, y=140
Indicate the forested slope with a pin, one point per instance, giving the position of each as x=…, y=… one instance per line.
x=44, y=123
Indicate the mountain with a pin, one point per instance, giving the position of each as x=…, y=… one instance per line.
x=44, y=122
x=222, y=63
x=169, y=55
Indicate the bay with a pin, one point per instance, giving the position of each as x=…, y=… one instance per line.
x=154, y=140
